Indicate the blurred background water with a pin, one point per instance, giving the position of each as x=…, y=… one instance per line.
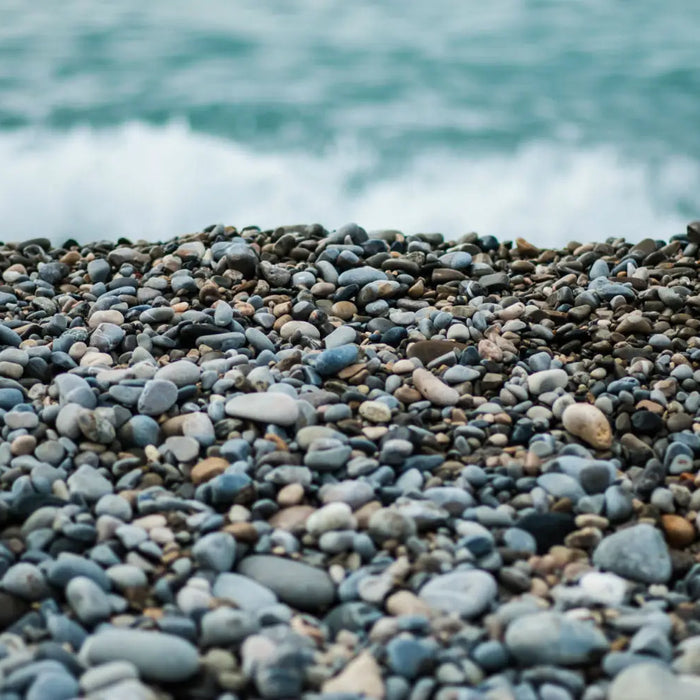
x=546, y=119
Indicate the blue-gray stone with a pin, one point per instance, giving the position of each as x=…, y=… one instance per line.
x=360, y=276
x=99, y=270
x=298, y=584
x=227, y=626
x=9, y=337
x=561, y=486
x=53, y=685
x=243, y=591
x=638, y=553
x=157, y=397
x=410, y=657
x=140, y=431
x=216, y=551
x=553, y=638
x=599, y=269
x=158, y=656
x=331, y=361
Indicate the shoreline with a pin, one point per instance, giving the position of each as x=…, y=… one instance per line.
x=311, y=463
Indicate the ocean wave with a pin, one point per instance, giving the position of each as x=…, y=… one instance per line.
x=143, y=181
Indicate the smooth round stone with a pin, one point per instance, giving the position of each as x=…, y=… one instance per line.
x=331, y=361
x=96, y=426
x=638, y=553
x=9, y=337
x=225, y=627
x=360, y=276
x=87, y=600
x=53, y=685
x=99, y=270
x=107, y=336
x=433, y=389
x=26, y=581
x=199, y=427
x=300, y=585
x=588, y=423
x=409, y=657
x=114, y=505
x=107, y=674
x=216, y=551
x=468, y=593
x=157, y=656
x=157, y=397
x=180, y=373
x=69, y=565
x=343, y=335
x=327, y=455
x=309, y=433
x=243, y=592
x=561, y=486
x=89, y=483
x=184, y=449
x=74, y=389
x=21, y=419
x=126, y=576
x=272, y=407
x=334, y=516
x=375, y=411
x=651, y=681
x=308, y=330
x=554, y=638
x=140, y=431
x=547, y=380
x=107, y=316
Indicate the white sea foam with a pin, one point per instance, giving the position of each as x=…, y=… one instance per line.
x=141, y=181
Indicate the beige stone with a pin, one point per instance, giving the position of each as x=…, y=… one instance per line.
x=589, y=423
x=361, y=676
x=207, y=469
x=433, y=389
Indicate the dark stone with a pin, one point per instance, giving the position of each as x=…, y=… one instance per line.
x=548, y=529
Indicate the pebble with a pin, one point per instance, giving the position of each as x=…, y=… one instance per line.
x=638, y=553
x=468, y=593
x=275, y=408
x=432, y=389
x=295, y=583
x=553, y=638
x=156, y=655
x=588, y=423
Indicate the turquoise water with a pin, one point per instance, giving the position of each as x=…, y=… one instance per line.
x=547, y=119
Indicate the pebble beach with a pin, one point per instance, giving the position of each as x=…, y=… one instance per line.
x=343, y=464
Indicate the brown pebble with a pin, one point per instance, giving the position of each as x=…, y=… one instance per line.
x=290, y=495
x=207, y=469
x=242, y=532
x=679, y=532
x=292, y=519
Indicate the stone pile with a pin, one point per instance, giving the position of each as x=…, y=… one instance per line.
x=310, y=464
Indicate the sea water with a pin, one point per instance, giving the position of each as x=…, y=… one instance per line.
x=549, y=119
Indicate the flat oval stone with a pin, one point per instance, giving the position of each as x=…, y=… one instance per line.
x=180, y=373
x=547, y=380
x=434, y=390
x=333, y=360
x=300, y=585
x=468, y=593
x=588, y=423
x=273, y=407
x=305, y=328
x=553, y=638
x=157, y=656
